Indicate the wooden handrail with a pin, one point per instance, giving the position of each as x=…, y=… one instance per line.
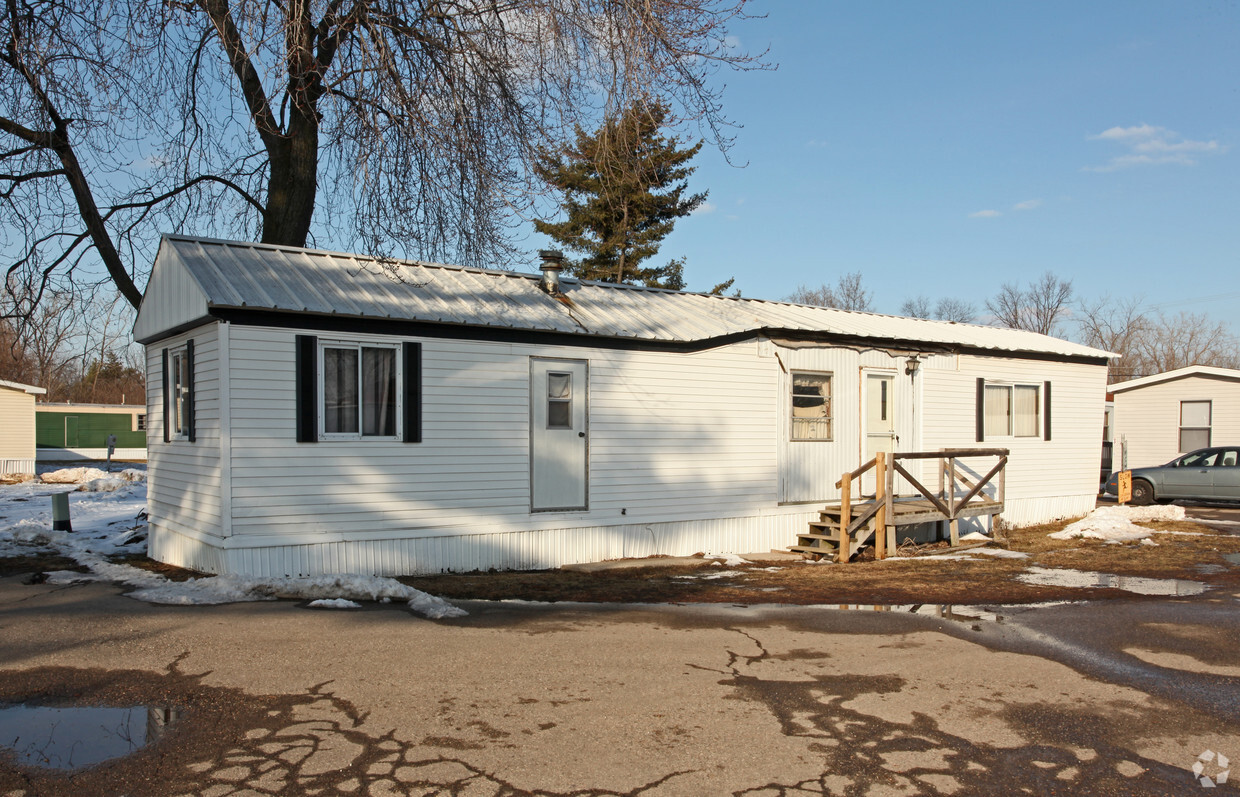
x=946, y=501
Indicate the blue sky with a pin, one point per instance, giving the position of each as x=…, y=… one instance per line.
x=948, y=148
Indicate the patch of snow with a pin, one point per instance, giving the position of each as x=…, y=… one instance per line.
x=108, y=522
x=975, y=536
x=1148, y=541
x=1001, y=553
x=729, y=559
x=244, y=589
x=334, y=603
x=1118, y=523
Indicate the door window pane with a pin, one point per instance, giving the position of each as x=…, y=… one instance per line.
x=811, y=406
x=559, y=401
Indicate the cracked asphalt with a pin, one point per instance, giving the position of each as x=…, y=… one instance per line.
x=520, y=699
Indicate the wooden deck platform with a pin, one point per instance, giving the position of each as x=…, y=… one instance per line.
x=856, y=523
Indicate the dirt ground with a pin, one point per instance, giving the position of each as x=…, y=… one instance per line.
x=1195, y=553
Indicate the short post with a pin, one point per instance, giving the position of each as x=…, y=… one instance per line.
x=111, y=450
x=880, y=519
x=60, y=512
x=844, y=551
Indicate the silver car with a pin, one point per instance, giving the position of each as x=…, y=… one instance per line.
x=1210, y=474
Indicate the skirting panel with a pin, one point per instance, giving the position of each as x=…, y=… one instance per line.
x=518, y=550
x=1019, y=512
x=14, y=467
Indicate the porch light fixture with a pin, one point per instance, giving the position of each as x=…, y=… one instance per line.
x=911, y=365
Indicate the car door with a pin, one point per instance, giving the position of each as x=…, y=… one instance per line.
x=1226, y=473
x=1191, y=478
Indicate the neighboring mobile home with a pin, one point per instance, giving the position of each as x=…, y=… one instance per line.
x=312, y=412
x=17, y=428
x=1159, y=417
x=67, y=432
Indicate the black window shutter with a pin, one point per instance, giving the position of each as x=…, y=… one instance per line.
x=413, y=392
x=307, y=366
x=981, y=410
x=189, y=392
x=167, y=402
x=1046, y=411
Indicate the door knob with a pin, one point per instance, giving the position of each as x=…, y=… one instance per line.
x=581, y=434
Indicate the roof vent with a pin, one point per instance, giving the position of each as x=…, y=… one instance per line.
x=552, y=265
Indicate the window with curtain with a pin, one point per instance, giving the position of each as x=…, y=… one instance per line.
x=811, y=406
x=1013, y=410
x=358, y=389
x=180, y=385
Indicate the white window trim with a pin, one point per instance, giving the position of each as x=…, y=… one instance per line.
x=322, y=392
x=180, y=392
x=1208, y=428
x=1011, y=393
x=792, y=424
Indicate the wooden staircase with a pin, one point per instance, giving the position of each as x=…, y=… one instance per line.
x=844, y=527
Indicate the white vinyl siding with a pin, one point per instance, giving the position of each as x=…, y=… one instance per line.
x=184, y=489
x=1148, y=418
x=16, y=431
x=1046, y=479
x=666, y=442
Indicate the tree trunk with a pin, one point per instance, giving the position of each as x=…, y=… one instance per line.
x=293, y=182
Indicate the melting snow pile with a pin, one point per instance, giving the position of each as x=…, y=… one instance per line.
x=242, y=589
x=93, y=480
x=106, y=515
x=1118, y=523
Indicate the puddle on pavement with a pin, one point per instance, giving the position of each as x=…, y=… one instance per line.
x=74, y=737
x=963, y=613
x=1047, y=577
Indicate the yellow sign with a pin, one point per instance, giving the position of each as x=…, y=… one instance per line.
x=1125, y=486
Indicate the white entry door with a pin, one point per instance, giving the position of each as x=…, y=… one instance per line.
x=880, y=416
x=558, y=440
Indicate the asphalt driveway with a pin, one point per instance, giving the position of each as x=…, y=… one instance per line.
x=1121, y=697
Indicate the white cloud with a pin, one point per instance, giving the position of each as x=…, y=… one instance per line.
x=1149, y=145
x=1028, y=204
x=985, y=214
x=703, y=209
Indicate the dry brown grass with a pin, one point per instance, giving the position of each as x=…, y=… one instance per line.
x=980, y=580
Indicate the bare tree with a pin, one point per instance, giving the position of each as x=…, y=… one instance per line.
x=1118, y=326
x=848, y=294
x=917, y=307
x=958, y=310
x=1185, y=339
x=1041, y=307
x=39, y=348
x=406, y=125
x=945, y=309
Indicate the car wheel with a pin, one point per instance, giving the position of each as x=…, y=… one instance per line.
x=1142, y=493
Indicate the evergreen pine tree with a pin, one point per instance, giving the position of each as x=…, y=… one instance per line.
x=624, y=187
